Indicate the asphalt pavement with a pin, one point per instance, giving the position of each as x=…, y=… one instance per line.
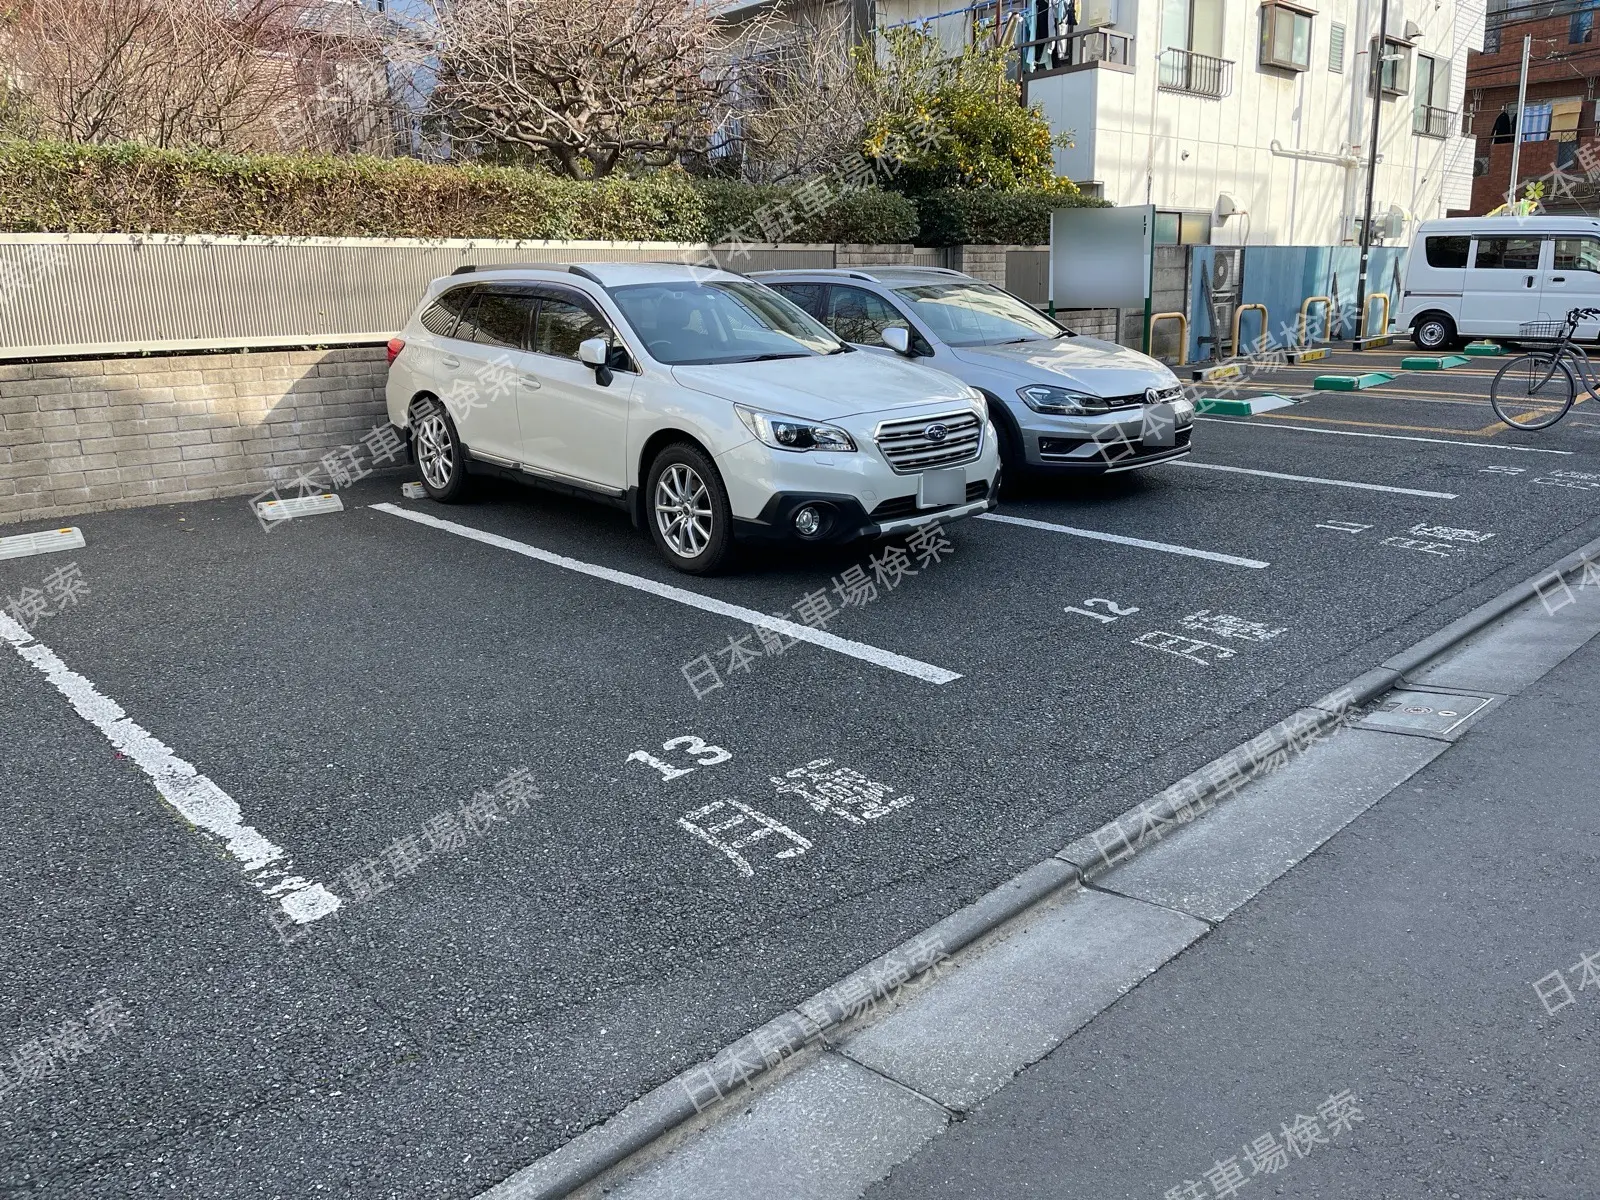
x=350, y=678
x=1410, y=1012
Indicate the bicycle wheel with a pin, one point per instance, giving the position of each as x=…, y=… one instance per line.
x=1533, y=391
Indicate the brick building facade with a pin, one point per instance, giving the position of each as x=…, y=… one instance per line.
x=1559, y=123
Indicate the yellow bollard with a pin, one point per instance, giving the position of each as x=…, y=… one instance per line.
x=1183, y=333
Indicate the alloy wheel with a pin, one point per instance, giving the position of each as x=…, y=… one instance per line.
x=683, y=510
x=435, y=450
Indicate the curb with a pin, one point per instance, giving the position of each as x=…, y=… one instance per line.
x=682, y=1098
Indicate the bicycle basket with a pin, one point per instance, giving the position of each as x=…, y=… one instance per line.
x=1543, y=329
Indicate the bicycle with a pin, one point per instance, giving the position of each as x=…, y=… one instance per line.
x=1536, y=389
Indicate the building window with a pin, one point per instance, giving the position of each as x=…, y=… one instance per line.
x=1183, y=228
x=1336, y=49
x=1285, y=38
x=1393, y=66
x=1580, y=26
x=1566, y=155
x=1191, y=45
x=1430, y=117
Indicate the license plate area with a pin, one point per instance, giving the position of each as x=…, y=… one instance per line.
x=939, y=489
x=1160, y=426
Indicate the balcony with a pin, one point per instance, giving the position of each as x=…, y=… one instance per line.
x=1195, y=74
x=1086, y=48
x=1429, y=121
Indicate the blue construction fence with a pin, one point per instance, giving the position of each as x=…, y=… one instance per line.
x=1282, y=277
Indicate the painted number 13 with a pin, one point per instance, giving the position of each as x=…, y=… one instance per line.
x=691, y=747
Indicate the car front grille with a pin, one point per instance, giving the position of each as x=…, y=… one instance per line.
x=906, y=506
x=907, y=446
x=1138, y=398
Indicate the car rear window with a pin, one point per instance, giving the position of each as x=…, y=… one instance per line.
x=441, y=316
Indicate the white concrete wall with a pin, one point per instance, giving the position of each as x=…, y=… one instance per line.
x=1182, y=152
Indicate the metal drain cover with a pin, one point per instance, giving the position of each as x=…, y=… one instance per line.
x=1423, y=712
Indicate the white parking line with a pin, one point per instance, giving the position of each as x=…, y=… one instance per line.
x=1344, y=483
x=198, y=800
x=1119, y=539
x=1388, y=437
x=749, y=616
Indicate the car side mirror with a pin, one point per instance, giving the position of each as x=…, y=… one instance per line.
x=596, y=352
x=898, y=339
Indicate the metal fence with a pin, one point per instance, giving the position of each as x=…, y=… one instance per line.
x=89, y=294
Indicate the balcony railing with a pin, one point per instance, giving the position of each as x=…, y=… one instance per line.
x=1429, y=121
x=1196, y=74
x=1088, y=46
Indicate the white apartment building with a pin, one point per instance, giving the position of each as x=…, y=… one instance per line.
x=1242, y=121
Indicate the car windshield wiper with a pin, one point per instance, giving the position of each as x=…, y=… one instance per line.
x=770, y=357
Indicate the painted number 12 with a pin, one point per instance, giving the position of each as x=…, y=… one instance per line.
x=1113, y=610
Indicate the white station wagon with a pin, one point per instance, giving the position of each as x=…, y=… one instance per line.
x=703, y=402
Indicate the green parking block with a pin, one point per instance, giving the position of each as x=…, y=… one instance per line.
x=1484, y=348
x=1240, y=408
x=1351, y=383
x=1427, y=363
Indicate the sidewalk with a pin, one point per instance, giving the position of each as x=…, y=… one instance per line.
x=1379, y=1000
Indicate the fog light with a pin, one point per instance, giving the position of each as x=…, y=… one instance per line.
x=807, y=521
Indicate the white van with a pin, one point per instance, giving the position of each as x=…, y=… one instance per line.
x=1473, y=277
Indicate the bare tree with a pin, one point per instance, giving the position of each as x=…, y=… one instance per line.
x=801, y=99
x=234, y=74
x=591, y=85
x=163, y=72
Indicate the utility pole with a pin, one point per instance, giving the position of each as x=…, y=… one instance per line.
x=1516, y=137
x=1372, y=163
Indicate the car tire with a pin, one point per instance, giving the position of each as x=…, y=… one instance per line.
x=441, y=457
x=1013, y=462
x=686, y=507
x=1434, y=331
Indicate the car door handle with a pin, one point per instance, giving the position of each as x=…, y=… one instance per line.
x=451, y=361
x=1530, y=281
x=530, y=382
x=1558, y=279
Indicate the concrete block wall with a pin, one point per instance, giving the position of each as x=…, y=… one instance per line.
x=113, y=433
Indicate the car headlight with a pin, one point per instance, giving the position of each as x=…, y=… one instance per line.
x=1045, y=399
x=791, y=433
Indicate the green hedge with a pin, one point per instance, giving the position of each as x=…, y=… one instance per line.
x=57, y=187
x=960, y=217
x=133, y=189
x=753, y=212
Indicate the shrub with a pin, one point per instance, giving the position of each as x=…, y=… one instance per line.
x=58, y=187
x=957, y=216
x=66, y=188
x=759, y=214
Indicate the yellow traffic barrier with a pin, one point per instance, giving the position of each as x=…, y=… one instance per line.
x=1239, y=312
x=1305, y=310
x=1383, y=325
x=1183, y=332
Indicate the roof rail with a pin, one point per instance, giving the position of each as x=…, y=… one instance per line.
x=473, y=268
x=862, y=275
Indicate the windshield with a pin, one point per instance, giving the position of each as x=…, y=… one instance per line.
x=974, y=314
x=722, y=322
